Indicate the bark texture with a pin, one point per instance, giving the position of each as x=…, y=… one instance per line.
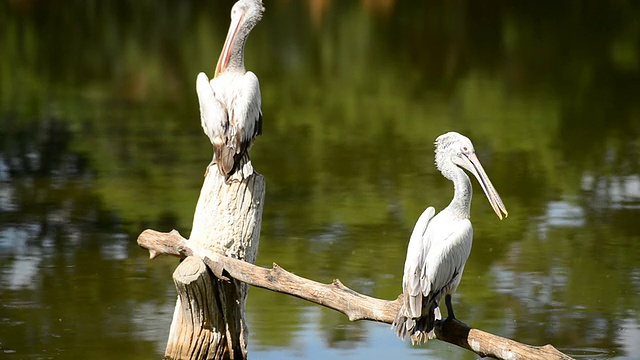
x=191, y=329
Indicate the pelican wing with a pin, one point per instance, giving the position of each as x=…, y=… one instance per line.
x=447, y=247
x=213, y=115
x=413, y=266
x=246, y=114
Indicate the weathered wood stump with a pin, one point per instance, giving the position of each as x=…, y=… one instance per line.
x=209, y=318
x=191, y=330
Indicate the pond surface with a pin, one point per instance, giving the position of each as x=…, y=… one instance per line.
x=100, y=139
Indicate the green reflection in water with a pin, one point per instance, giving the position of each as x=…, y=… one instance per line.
x=101, y=138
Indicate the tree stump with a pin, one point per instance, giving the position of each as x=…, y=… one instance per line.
x=191, y=332
x=209, y=321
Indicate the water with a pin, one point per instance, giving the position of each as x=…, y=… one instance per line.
x=100, y=139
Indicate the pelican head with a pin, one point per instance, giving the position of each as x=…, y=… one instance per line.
x=245, y=14
x=456, y=149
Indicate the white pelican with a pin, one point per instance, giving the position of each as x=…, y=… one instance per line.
x=440, y=245
x=230, y=103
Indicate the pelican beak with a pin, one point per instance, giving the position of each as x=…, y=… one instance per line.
x=225, y=55
x=472, y=164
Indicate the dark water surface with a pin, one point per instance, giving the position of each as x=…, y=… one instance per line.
x=100, y=139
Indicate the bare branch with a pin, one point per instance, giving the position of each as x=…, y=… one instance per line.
x=338, y=297
x=159, y=243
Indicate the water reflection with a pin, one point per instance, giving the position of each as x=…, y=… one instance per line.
x=99, y=139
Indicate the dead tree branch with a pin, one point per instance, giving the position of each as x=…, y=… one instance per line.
x=338, y=297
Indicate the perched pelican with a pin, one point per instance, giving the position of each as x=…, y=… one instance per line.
x=230, y=103
x=440, y=244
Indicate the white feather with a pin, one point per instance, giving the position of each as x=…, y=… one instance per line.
x=212, y=111
x=411, y=281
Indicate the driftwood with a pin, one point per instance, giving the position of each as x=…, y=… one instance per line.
x=339, y=297
x=209, y=320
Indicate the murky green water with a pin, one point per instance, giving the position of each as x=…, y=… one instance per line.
x=100, y=139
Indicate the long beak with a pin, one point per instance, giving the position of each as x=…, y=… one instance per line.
x=471, y=163
x=225, y=55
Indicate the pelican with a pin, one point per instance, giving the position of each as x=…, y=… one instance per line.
x=440, y=245
x=230, y=103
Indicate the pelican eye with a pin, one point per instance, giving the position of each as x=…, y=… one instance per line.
x=464, y=148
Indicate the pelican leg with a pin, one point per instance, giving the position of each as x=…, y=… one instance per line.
x=447, y=301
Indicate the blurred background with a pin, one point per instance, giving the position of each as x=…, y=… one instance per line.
x=100, y=139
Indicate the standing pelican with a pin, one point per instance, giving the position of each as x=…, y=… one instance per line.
x=230, y=103
x=440, y=245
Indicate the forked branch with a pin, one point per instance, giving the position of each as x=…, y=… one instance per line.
x=338, y=297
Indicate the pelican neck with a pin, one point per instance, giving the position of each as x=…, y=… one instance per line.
x=460, y=205
x=236, y=58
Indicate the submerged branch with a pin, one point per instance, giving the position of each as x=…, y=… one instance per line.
x=338, y=297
